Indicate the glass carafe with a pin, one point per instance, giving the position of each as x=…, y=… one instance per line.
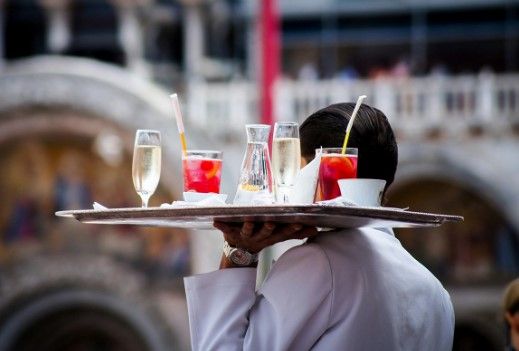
x=255, y=184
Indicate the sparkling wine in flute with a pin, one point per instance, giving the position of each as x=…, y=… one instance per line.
x=146, y=166
x=286, y=158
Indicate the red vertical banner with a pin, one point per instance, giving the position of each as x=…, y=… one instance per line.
x=270, y=53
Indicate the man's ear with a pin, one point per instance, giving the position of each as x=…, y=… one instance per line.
x=509, y=318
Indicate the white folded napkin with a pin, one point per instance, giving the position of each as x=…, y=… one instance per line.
x=342, y=201
x=305, y=184
x=98, y=207
x=338, y=201
x=210, y=201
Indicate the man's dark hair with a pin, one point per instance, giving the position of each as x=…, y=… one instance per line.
x=371, y=134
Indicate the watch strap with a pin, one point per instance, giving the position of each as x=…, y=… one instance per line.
x=238, y=256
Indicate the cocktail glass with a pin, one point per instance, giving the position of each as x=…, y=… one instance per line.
x=202, y=171
x=334, y=166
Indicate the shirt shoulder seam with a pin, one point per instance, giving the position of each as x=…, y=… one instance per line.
x=331, y=293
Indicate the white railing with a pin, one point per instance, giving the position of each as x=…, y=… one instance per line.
x=413, y=105
x=222, y=108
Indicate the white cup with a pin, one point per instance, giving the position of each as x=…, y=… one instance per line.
x=362, y=191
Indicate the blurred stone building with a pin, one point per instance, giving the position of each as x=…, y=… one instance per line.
x=79, y=76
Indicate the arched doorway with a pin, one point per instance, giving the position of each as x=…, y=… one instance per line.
x=52, y=168
x=66, y=140
x=484, y=249
x=474, y=260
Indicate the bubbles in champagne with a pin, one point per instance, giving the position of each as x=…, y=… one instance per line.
x=286, y=160
x=146, y=168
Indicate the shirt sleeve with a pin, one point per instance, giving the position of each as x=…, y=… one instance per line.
x=218, y=307
x=290, y=311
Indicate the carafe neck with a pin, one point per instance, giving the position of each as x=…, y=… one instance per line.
x=257, y=133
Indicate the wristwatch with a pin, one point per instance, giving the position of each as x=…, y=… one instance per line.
x=239, y=257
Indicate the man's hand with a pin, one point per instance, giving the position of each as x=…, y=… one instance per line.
x=254, y=237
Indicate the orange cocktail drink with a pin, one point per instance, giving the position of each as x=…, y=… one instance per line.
x=202, y=171
x=334, y=166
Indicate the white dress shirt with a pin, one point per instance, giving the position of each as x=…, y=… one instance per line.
x=345, y=290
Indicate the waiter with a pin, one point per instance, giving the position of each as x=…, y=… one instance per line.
x=348, y=289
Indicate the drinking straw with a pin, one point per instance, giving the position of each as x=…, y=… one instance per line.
x=350, y=123
x=180, y=124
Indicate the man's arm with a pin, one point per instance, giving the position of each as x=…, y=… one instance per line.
x=218, y=306
x=290, y=312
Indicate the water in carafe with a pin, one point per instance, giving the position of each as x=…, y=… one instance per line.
x=255, y=184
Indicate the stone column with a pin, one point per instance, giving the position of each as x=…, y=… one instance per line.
x=2, y=34
x=511, y=42
x=193, y=39
x=419, y=42
x=58, y=29
x=131, y=34
x=252, y=42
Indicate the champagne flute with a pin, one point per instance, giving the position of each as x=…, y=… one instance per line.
x=146, y=163
x=286, y=158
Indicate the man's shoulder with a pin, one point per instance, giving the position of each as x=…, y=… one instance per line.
x=354, y=244
x=305, y=265
x=369, y=252
x=301, y=257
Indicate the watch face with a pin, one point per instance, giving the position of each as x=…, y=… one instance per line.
x=240, y=257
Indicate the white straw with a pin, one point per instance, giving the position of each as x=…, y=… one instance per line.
x=352, y=118
x=178, y=114
x=355, y=110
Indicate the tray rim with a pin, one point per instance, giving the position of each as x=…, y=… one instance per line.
x=380, y=213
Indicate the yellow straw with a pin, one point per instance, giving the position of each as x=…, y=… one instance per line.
x=350, y=123
x=180, y=123
x=184, y=144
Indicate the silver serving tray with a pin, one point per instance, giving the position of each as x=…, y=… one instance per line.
x=312, y=215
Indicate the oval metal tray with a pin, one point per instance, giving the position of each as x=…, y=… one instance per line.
x=313, y=215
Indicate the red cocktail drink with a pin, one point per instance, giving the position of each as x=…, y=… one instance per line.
x=202, y=171
x=335, y=166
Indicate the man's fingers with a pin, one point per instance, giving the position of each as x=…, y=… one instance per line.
x=265, y=231
x=245, y=235
x=288, y=230
x=224, y=227
x=247, y=229
x=306, y=232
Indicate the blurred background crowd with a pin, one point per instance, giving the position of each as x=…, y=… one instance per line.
x=78, y=77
